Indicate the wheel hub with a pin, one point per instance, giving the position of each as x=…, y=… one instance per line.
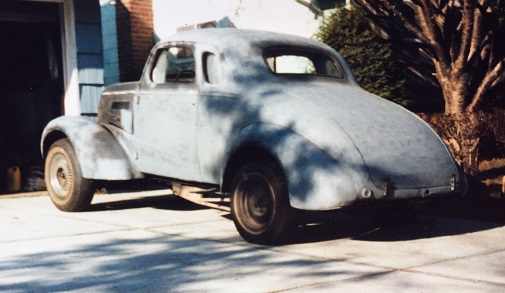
x=60, y=175
x=257, y=202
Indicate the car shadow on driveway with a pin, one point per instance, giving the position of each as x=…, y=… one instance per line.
x=165, y=202
x=440, y=218
x=342, y=225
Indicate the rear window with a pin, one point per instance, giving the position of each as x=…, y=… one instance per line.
x=299, y=62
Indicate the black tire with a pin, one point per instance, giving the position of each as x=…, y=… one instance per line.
x=260, y=204
x=69, y=192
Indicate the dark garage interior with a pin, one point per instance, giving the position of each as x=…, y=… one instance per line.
x=31, y=87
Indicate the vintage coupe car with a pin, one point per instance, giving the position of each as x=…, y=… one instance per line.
x=277, y=123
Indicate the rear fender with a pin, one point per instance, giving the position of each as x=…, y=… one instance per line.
x=99, y=153
x=315, y=180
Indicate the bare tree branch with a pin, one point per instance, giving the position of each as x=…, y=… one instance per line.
x=433, y=32
x=477, y=32
x=465, y=40
x=491, y=78
x=410, y=24
x=466, y=34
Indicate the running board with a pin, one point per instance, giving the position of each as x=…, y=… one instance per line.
x=207, y=197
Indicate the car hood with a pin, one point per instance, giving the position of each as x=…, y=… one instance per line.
x=394, y=144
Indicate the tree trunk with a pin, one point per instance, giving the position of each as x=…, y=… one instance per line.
x=462, y=133
x=454, y=87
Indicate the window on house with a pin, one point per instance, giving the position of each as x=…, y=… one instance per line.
x=174, y=65
x=301, y=63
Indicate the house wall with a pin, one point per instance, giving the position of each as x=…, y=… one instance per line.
x=82, y=55
x=81, y=48
x=135, y=38
x=109, y=37
x=88, y=34
x=51, y=65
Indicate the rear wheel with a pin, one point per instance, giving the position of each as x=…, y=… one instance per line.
x=260, y=204
x=68, y=190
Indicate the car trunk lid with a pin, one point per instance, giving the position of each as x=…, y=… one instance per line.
x=397, y=147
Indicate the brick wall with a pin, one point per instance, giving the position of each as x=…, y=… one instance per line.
x=135, y=36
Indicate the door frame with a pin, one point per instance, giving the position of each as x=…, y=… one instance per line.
x=71, y=99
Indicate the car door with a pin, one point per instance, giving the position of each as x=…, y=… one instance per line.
x=165, y=115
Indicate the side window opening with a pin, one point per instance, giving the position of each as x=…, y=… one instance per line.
x=158, y=74
x=211, y=68
x=174, y=65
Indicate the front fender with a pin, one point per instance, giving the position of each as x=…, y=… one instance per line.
x=316, y=181
x=99, y=153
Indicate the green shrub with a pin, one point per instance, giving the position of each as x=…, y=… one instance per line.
x=370, y=57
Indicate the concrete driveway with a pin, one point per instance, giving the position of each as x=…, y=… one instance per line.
x=151, y=243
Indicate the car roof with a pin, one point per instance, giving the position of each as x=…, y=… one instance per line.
x=232, y=37
x=243, y=45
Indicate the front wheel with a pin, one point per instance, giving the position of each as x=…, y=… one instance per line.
x=69, y=191
x=260, y=204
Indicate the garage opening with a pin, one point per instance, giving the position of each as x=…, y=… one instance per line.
x=31, y=87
